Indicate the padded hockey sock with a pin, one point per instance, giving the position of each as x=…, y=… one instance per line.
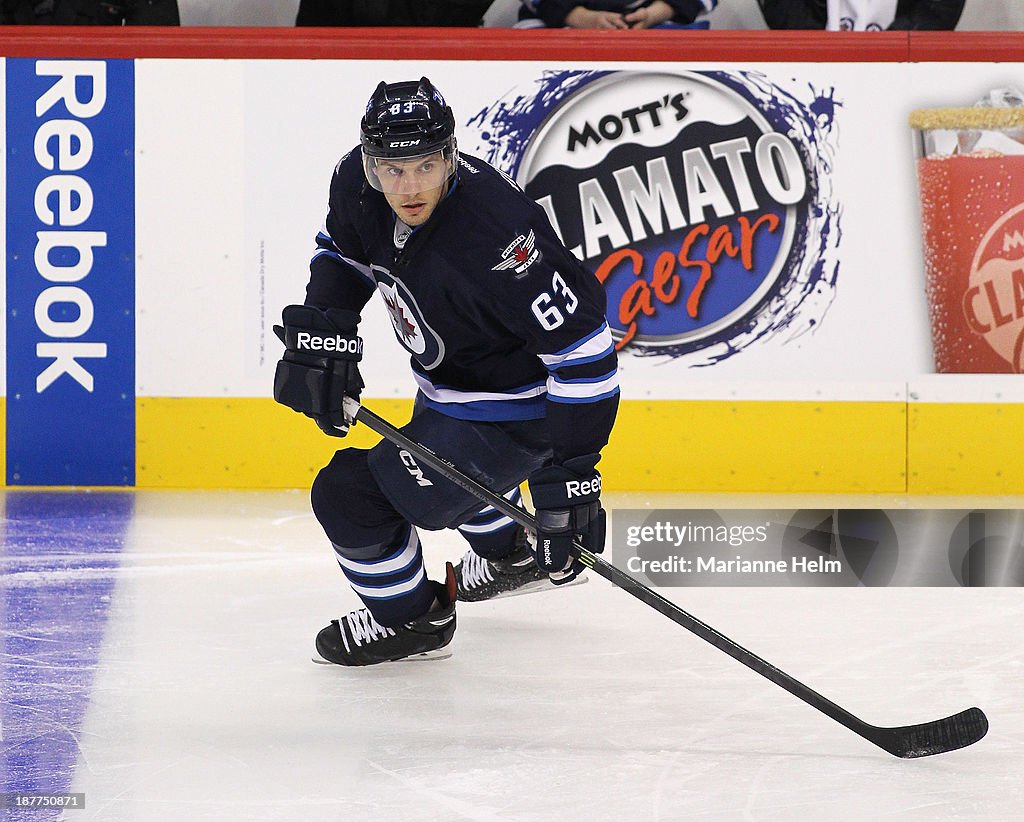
x=393, y=586
x=492, y=535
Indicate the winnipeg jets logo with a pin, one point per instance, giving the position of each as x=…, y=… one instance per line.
x=519, y=254
x=404, y=327
x=413, y=332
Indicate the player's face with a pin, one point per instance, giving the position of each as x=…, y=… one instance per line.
x=414, y=187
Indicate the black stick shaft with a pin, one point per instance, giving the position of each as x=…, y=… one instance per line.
x=874, y=734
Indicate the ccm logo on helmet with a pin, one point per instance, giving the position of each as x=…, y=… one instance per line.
x=404, y=143
x=580, y=488
x=342, y=345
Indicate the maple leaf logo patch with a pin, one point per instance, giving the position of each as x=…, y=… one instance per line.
x=519, y=255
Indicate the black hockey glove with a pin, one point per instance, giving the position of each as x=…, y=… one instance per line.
x=567, y=498
x=320, y=366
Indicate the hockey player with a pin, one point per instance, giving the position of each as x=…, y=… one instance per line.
x=512, y=356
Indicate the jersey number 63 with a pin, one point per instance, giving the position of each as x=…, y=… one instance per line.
x=545, y=309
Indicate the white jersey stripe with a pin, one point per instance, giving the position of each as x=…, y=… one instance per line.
x=453, y=395
x=336, y=254
x=581, y=389
x=362, y=269
x=597, y=345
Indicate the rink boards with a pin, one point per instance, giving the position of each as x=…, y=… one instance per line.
x=814, y=374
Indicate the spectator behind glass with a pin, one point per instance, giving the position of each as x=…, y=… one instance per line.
x=26, y=12
x=862, y=15
x=391, y=12
x=614, y=14
x=93, y=12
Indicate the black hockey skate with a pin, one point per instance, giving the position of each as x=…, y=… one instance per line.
x=358, y=639
x=478, y=579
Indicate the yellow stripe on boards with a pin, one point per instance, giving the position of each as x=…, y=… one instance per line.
x=658, y=446
x=201, y=442
x=965, y=448
x=784, y=447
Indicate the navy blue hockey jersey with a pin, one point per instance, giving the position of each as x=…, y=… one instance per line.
x=501, y=321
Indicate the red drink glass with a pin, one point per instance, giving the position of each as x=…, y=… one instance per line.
x=970, y=168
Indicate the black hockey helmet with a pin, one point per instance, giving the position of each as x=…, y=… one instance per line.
x=405, y=121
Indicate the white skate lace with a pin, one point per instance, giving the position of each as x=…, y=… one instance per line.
x=475, y=570
x=362, y=627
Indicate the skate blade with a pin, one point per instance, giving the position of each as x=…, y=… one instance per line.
x=426, y=656
x=539, y=587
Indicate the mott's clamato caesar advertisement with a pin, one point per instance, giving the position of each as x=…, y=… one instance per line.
x=971, y=176
x=702, y=200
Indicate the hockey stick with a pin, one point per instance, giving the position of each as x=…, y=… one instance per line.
x=906, y=741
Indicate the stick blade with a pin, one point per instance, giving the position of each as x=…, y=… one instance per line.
x=929, y=738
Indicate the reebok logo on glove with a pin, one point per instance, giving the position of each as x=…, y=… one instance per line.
x=342, y=345
x=582, y=488
x=568, y=502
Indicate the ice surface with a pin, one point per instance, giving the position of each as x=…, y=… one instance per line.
x=161, y=666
